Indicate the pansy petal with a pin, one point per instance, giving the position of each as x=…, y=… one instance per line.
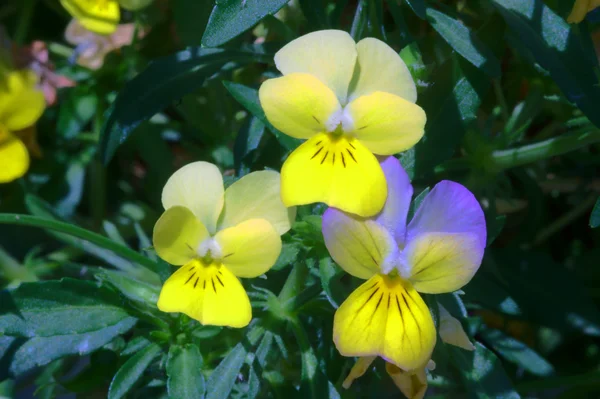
x=413, y=384
x=385, y=317
x=400, y=191
x=199, y=187
x=210, y=294
x=298, y=104
x=445, y=239
x=382, y=69
x=101, y=17
x=21, y=104
x=385, y=123
x=336, y=170
x=250, y=248
x=452, y=332
x=14, y=156
x=177, y=235
x=358, y=370
x=330, y=55
x=360, y=247
x=257, y=196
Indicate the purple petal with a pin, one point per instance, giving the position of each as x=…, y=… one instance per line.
x=400, y=191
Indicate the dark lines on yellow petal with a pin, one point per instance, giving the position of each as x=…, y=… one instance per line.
x=325, y=157
x=343, y=159
x=361, y=128
x=213, y=284
x=317, y=153
x=333, y=160
x=188, y=280
x=220, y=281
x=414, y=318
x=319, y=142
x=190, y=247
x=389, y=297
x=196, y=282
x=204, y=285
x=226, y=256
x=350, y=144
x=316, y=119
x=367, y=301
x=352, y=155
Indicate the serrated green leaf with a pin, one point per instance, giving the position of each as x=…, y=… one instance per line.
x=39, y=351
x=164, y=81
x=50, y=308
x=517, y=352
x=248, y=98
x=232, y=18
x=557, y=48
x=131, y=371
x=185, y=376
x=595, y=216
x=289, y=254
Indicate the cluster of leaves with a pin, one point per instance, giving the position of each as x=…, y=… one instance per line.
x=511, y=94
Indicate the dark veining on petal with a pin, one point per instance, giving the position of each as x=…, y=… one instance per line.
x=213, y=283
x=220, y=281
x=325, y=157
x=315, y=118
x=188, y=280
x=317, y=153
x=414, y=318
x=333, y=160
x=343, y=159
x=352, y=155
x=196, y=282
x=319, y=142
x=226, y=256
x=204, y=285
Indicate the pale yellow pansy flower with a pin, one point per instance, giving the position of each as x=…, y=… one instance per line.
x=350, y=101
x=100, y=16
x=21, y=105
x=580, y=9
x=216, y=236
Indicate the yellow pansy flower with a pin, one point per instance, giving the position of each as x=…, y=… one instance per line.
x=217, y=236
x=580, y=9
x=21, y=105
x=100, y=16
x=351, y=101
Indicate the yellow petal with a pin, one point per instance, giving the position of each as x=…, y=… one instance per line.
x=336, y=170
x=360, y=367
x=210, y=294
x=250, y=248
x=413, y=384
x=385, y=317
x=382, y=69
x=580, y=9
x=452, y=332
x=443, y=262
x=21, y=104
x=330, y=55
x=298, y=104
x=100, y=16
x=361, y=247
x=257, y=196
x=177, y=235
x=13, y=157
x=385, y=123
x=199, y=187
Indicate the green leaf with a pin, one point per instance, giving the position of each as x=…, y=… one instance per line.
x=185, y=376
x=246, y=144
x=131, y=371
x=50, y=308
x=450, y=105
x=418, y=7
x=416, y=203
x=130, y=287
x=76, y=111
x=289, y=254
x=164, y=81
x=464, y=41
x=558, y=48
x=248, y=98
x=223, y=378
x=39, y=351
x=482, y=373
x=517, y=352
x=595, y=216
x=233, y=17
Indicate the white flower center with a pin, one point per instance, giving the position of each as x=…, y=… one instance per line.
x=210, y=247
x=342, y=118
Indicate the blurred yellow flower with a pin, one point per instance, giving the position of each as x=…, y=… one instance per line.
x=580, y=9
x=21, y=105
x=218, y=235
x=100, y=16
x=350, y=101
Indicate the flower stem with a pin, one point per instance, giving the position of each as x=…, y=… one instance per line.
x=563, y=144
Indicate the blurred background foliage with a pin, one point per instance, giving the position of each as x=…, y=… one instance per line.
x=512, y=98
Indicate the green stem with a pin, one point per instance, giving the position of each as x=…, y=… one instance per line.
x=35, y=221
x=24, y=21
x=97, y=173
x=506, y=159
x=501, y=99
x=309, y=360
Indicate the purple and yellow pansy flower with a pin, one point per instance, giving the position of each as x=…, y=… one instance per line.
x=350, y=101
x=439, y=251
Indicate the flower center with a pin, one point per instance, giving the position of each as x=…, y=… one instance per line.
x=340, y=122
x=396, y=264
x=209, y=250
